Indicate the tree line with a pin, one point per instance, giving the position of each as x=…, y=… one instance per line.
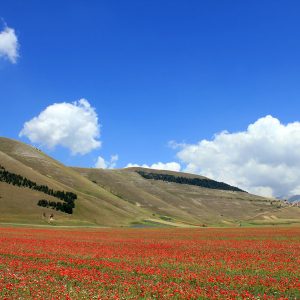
x=202, y=182
x=61, y=206
x=68, y=198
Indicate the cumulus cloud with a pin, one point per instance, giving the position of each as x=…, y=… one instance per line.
x=72, y=125
x=264, y=159
x=100, y=163
x=171, y=166
x=9, y=45
x=103, y=164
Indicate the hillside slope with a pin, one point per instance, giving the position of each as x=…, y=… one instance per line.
x=122, y=197
x=191, y=204
x=93, y=206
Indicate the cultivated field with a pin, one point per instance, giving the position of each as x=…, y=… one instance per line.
x=240, y=263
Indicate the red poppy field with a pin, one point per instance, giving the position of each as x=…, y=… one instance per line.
x=241, y=263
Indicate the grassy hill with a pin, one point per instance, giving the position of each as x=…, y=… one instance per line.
x=122, y=197
x=94, y=205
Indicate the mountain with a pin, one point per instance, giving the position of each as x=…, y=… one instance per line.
x=124, y=197
x=295, y=198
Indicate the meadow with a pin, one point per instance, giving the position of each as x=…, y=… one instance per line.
x=165, y=263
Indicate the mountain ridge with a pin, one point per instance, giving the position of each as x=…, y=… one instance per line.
x=122, y=197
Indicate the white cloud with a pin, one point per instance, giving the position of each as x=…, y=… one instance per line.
x=113, y=161
x=264, y=159
x=71, y=125
x=9, y=44
x=171, y=166
x=174, y=145
x=103, y=164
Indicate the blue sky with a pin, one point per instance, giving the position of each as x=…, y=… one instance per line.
x=154, y=71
